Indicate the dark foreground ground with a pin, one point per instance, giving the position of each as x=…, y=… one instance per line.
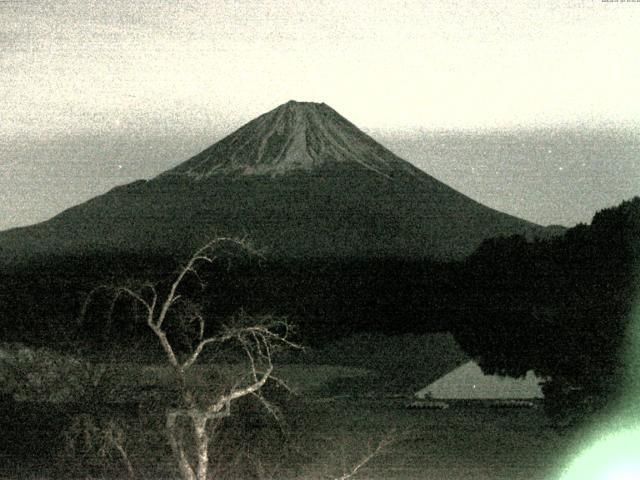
x=332, y=436
x=462, y=442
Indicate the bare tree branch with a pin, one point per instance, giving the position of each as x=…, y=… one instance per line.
x=137, y=297
x=88, y=299
x=282, y=383
x=381, y=445
x=198, y=350
x=184, y=467
x=241, y=392
x=258, y=337
x=198, y=256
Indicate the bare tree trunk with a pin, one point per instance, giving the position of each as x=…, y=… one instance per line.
x=125, y=459
x=202, y=444
x=258, y=337
x=184, y=468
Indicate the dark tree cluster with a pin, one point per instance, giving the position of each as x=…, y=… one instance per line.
x=40, y=302
x=561, y=307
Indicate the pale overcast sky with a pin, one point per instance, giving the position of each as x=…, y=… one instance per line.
x=97, y=93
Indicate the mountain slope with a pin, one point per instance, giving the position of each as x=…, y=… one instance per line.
x=300, y=180
x=297, y=136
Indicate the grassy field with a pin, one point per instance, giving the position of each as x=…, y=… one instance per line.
x=464, y=442
x=301, y=378
x=331, y=426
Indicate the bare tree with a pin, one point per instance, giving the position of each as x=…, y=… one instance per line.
x=373, y=450
x=258, y=337
x=95, y=440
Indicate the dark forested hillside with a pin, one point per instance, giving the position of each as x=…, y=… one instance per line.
x=325, y=298
x=561, y=307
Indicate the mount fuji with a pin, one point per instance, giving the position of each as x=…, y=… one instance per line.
x=300, y=180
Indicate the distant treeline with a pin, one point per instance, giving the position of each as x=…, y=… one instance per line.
x=325, y=298
x=559, y=306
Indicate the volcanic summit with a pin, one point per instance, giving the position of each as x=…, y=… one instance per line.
x=296, y=136
x=300, y=181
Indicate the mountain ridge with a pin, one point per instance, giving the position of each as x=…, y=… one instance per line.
x=300, y=180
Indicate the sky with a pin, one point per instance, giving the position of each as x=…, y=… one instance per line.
x=529, y=107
